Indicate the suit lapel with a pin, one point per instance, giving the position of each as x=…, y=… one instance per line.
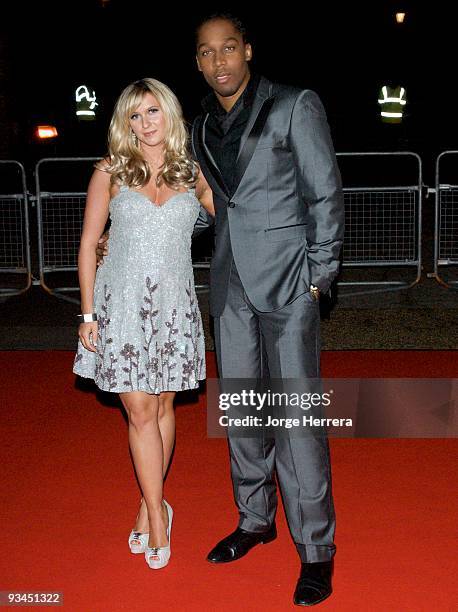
x=251, y=141
x=263, y=92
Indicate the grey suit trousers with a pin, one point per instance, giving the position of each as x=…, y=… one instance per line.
x=282, y=344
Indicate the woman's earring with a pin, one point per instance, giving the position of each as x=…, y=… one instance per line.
x=134, y=138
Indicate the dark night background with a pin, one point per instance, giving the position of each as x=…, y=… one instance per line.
x=345, y=51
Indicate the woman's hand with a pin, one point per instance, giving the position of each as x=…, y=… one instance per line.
x=87, y=333
x=102, y=248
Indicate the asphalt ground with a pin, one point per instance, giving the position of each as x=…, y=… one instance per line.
x=424, y=316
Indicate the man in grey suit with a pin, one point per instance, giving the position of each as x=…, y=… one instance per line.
x=266, y=151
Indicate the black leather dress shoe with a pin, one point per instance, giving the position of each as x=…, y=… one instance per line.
x=314, y=584
x=238, y=543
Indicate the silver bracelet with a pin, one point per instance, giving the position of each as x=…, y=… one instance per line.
x=87, y=318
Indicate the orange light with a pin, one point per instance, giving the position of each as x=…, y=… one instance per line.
x=400, y=17
x=46, y=131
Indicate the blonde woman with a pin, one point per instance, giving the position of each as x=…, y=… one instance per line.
x=141, y=331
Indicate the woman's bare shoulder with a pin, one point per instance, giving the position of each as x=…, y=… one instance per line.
x=103, y=165
x=105, y=177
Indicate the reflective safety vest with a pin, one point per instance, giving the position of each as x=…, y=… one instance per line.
x=392, y=102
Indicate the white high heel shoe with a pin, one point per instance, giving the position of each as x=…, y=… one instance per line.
x=158, y=557
x=138, y=542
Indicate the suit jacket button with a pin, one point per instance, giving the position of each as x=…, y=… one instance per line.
x=231, y=204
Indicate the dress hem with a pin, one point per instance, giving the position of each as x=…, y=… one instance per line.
x=149, y=391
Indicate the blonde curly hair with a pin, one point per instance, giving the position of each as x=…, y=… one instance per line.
x=125, y=161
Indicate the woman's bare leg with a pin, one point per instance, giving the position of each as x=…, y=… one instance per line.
x=167, y=428
x=148, y=455
x=167, y=425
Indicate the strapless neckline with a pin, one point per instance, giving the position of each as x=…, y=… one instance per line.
x=125, y=189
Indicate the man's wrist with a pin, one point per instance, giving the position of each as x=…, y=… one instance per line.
x=314, y=292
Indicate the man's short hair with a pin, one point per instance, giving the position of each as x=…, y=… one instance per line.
x=236, y=22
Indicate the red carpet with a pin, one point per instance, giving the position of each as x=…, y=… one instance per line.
x=70, y=499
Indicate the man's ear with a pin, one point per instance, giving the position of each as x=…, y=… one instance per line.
x=198, y=64
x=248, y=52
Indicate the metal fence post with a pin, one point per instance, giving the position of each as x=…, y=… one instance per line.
x=15, y=234
x=446, y=225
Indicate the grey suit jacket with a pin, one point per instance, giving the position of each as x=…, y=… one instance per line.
x=283, y=222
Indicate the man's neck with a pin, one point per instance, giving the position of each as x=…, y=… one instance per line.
x=228, y=102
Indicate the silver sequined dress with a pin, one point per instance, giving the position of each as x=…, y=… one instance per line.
x=150, y=335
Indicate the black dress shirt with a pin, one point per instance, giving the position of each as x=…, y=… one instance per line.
x=224, y=130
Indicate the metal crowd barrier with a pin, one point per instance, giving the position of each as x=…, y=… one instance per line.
x=446, y=223
x=60, y=220
x=15, y=266
x=383, y=229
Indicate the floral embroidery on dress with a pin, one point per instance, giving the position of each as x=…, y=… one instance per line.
x=169, y=350
x=147, y=316
x=107, y=374
x=132, y=356
x=161, y=365
x=191, y=366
